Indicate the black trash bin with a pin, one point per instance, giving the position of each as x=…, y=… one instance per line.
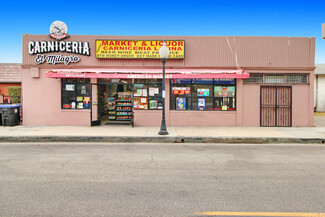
x=10, y=114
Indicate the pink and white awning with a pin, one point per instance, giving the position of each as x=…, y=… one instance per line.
x=146, y=73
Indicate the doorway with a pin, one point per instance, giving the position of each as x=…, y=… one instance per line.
x=276, y=106
x=115, y=101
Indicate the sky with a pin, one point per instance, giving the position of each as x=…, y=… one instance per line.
x=180, y=18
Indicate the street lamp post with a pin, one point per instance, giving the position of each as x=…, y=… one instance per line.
x=163, y=52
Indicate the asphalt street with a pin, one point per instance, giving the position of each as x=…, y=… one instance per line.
x=160, y=179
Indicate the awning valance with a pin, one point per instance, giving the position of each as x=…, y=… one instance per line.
x=146, y=73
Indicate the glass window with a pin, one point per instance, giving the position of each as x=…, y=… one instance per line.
x=75, y=94
x=148, y=94
x=203, y=94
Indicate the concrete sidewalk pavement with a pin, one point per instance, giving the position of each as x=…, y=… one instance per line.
x=122, y=133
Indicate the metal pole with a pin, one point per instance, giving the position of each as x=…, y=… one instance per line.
x=163, y=128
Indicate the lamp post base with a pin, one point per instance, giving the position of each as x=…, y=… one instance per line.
x=163, y=132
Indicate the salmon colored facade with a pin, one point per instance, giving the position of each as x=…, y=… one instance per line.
x=279, y=64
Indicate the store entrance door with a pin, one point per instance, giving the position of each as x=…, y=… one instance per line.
x=276, y=109
x=94, y=111
x=116, y=102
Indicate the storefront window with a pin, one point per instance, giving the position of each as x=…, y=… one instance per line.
x=203, y=94
x=75, y=94
x=147, y=94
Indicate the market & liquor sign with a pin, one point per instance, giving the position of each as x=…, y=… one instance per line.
x=133, y=49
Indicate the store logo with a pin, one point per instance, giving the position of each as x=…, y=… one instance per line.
x=59, y=30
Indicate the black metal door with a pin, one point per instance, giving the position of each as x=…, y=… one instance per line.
x=276, y=106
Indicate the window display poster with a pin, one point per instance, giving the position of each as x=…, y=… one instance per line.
x=80, y=105
x=203, y=92
x=140, y=103
x=87, y=99
x=201, y=103
x=217, y=91
x=69, y=87
x=143, y=100
x=180, y=103
x=224, y=108
x=153, y=104
x=181, y=90
x=151, y=91
x=144, y=92
x=224, y=92
x=231, y=91
x=83, y=89
x=138, y=93
x=79, y=98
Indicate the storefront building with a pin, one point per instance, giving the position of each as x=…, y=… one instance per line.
x=210, y=81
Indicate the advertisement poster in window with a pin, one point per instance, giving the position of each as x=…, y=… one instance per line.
x=231, y=91
x=217, y=91
x=203, y=92
x=224, y=92
x=153, y=104
x=201, y=103
x=181, y=90
x=180, y=103
x=69, y=87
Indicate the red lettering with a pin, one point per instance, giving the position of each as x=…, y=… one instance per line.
x=135, y=43
x=122, y=48
x=140, y=48
x=129, y=43
x=111, y=43
x=181, y=43
x=104, y=42
x=174, y=43
x=179, y=48
x=117, y=43
x=105, y=48
x=123, y=43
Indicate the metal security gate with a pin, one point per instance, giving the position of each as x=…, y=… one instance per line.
x=276, y=106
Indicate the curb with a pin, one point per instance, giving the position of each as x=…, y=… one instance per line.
x=161, y=139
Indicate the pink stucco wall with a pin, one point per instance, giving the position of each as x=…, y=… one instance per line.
x=42, y=103
x=302, y=104
x=42, y=96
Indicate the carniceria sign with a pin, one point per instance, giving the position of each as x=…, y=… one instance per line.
x=59, y=31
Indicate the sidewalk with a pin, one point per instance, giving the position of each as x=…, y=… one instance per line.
x=118, y=133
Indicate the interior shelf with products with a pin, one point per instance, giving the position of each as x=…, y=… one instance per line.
x=122, y=106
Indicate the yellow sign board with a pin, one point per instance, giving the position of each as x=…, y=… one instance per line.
x=133, y=49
